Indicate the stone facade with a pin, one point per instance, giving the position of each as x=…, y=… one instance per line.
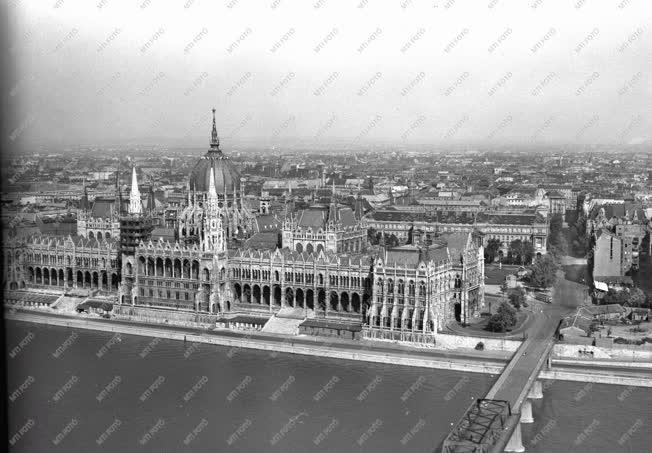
x=65, y=263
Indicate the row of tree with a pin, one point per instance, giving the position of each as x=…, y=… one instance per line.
x=518, y=252
x=573, y=240
x=632, y=297
x=376, y=237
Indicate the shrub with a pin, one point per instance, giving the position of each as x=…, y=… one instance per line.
x=503, y=320
x=479, y=346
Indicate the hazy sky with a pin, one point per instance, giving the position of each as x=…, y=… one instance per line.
x=106, y=71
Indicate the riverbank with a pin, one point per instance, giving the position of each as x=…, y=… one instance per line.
x=299, y=345
x=594, y=371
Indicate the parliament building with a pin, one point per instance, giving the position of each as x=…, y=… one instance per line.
x=324, y=273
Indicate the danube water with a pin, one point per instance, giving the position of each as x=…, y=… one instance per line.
x=79, y=390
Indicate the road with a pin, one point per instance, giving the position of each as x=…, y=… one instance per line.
x=521, y=372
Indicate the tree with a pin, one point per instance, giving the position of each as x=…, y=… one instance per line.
x=637, y=298
x=557, y=242
x=508, y=312
x=491, y=250
x=556, y=223
x=528, y=252
x=517, y=297
x=504, y=288
x=503, y=320
x=614, y=297
x=521, y=250
x=515, y=249
x=393, y=241
x=372, y=236
x=634, y=297
x=544, y=272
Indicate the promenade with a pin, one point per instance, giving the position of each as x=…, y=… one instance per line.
x=596, y=371
x=370, y=351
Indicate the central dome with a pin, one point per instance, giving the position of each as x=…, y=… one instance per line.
x=227, y=178
x=226, y=175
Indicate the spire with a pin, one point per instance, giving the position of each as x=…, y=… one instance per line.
x=118, y=194
x=84, y=205
x=359, y=207
x=332, y=209
x=189, y=200
x=215, y=140
x=214, y=228
x=151, y=202
x=135, y=205
x=212, y=192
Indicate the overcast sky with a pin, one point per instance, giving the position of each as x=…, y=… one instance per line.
x=109, y=71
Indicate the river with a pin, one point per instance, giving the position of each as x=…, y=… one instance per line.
x=79, y=390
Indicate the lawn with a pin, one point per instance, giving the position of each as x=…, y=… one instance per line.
x=496, y=276
x=628, y=331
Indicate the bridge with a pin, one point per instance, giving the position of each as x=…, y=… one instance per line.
x=493, y=424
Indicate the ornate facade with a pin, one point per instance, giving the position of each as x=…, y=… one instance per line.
x=64, y=263
x=102, y=218
x=323, y=272
x=419, y=289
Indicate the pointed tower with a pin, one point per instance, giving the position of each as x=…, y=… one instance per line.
x=212, y=200
x=118, y=193
x=151, y=202
x=214, y=239
x=332, y=208
x=135, y=205
x=359, y=207
x=391, y=196
x=84, y=205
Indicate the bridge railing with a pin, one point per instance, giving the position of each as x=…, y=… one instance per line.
x=479, y=428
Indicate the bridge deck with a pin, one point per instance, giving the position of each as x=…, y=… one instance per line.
x=512, y=387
